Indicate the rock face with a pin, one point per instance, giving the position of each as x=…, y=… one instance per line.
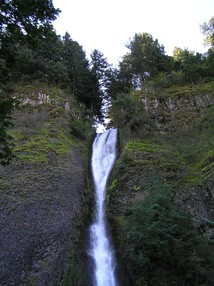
x=170, y=113
x=35, y=98
x=38, y=213
x=199, y=201
x=183, y=103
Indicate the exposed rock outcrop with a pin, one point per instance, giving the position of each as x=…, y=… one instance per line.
x=170, y=113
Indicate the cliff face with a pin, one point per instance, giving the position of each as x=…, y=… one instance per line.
x=177, y=155
x=40, y=205
x=42, y=193
x=171, y=113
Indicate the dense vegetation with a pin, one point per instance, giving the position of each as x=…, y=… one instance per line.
x=161, y=239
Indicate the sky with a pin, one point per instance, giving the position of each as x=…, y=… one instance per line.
x=107, y=25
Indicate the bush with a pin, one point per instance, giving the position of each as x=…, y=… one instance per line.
x=81, y=129
x=128, y=113
x=161, y=239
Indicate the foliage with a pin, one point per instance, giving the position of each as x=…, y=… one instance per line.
x=120, y=80
x=196, y=139
x=161, y=236
x=26, y=17
x=159, y=245
x=82, y=129
x=190, y=63
x=23, y=23
x=6, y=144
x=146, y=57
x=208, y=31
x=128, y=110
x=99, y=67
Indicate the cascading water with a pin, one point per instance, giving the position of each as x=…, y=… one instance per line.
x=103, y=157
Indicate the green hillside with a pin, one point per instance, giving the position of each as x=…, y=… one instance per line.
x=160, y=201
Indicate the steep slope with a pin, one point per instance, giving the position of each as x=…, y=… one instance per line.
x=43, y=192
x=161, y=200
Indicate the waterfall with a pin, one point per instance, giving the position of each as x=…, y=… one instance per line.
x=103, y=157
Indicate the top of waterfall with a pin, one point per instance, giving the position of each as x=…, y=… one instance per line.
x=100, y=128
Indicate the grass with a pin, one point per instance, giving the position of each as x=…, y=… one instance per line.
x=143, y=146
x=185, y=155
x=181, y=91
x=35, y=148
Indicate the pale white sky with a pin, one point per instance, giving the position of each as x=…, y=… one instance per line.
x=107, y=25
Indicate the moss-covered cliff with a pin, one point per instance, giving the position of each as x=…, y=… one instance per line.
x=44, y=194
x=161, y=200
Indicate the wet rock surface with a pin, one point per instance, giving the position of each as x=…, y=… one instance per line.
x=199, y=201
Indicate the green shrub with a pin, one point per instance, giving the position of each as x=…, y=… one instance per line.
x=161, y=239
x=81, y=129
x=128, y=113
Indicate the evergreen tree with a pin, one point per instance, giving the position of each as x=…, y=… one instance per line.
x=83, y=82
x=100, y=70
x=100, y=67
x=147, y=57
x=22, y=23
x=190, y=63
x=121, y=78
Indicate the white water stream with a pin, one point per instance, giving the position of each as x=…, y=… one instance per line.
x=103, y=158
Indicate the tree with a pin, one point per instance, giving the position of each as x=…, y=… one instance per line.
x=22, y=24
x=208, y=31
x=100, y=70
x=99, y=67
x=45, y=61
x=190, y=63
x=209, y=63
x=25, y=18
x=82, y=81
x=147, y=57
